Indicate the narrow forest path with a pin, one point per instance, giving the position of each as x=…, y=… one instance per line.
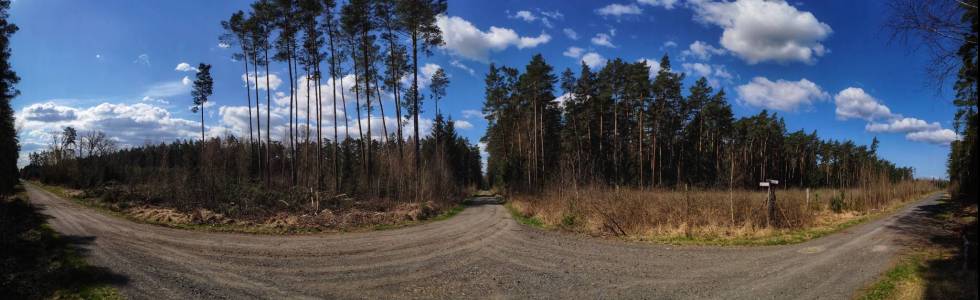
x=480, y=253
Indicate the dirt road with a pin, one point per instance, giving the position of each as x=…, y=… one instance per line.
x=480, y=253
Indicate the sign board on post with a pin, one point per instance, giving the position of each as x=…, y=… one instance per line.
x=770, y=199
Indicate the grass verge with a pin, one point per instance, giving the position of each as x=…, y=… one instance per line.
x=933, y=268
x=36, y=262
x=523, y=219
x=238, y=227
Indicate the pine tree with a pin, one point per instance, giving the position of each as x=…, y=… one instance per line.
x=203, y=88
x=9, y=147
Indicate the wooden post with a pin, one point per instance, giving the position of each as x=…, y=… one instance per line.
x=770, y=200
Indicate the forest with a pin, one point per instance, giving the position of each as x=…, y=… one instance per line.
x=619, y=126
x=309, y=168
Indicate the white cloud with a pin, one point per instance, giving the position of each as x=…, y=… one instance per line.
x=570, y=33
x=472, y=113
x=185, y=67
x=938, y=137
x=713, y=73
x=465, y=40
x=525, y=15
x=48, y=112
x=698, y=69
x=463, y=124
x=223, y=45
x=758, y=30
x=667, y=4
x=668, y=44
x=143, y=59
x=853, y=102
x=169, y=89
x=154, y=100
x=128, y=124
x=553, y=14
x=618, y=10
x=461, y=66
x=573, y=52
x=702, y=50
x=274, y=81
x=603, y=39
x=780, y=95
x=594, y=60
x=903, y=124
x=653, y=64
x=425, y=75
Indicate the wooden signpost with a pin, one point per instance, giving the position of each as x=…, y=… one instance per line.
x=770, y=200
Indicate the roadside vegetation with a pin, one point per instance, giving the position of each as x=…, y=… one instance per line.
x=38, y=263
x=713, y=217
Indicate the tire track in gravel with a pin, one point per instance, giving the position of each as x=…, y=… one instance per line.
x=480, y=253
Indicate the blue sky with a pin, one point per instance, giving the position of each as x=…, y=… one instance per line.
x=827, y=66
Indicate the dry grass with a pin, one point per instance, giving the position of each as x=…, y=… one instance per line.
x=712, y=216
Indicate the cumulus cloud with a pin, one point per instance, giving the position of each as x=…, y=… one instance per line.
x=185, y=67
x=938, y=137
x=667, y=4
x=653, y=64
x=465, y=40
x=618, y=10
x=594, y=60
x=570, y=33
x=525, y=15
x=128, y=124
x=902, y=124
x=573, y=52
x=463, y=124
x=48, y=112
x=702, y=50
x=780, y=95
x=603, y=39
x=758, y=30
x=854, y=103
x=715, y=74
x=274, y=81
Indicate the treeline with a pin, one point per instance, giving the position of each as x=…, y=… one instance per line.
x=378, y=42
x=619, y=127
x=218, y=174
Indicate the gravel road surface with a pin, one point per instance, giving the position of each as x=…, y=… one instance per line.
x=480, y=253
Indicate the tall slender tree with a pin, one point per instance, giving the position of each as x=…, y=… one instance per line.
x=437, y=87
x=418, y=19
x=203, y=88
x=235, y=34
x=328, y=25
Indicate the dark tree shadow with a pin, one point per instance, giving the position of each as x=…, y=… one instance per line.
x=938, y=246
x=37, y=263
